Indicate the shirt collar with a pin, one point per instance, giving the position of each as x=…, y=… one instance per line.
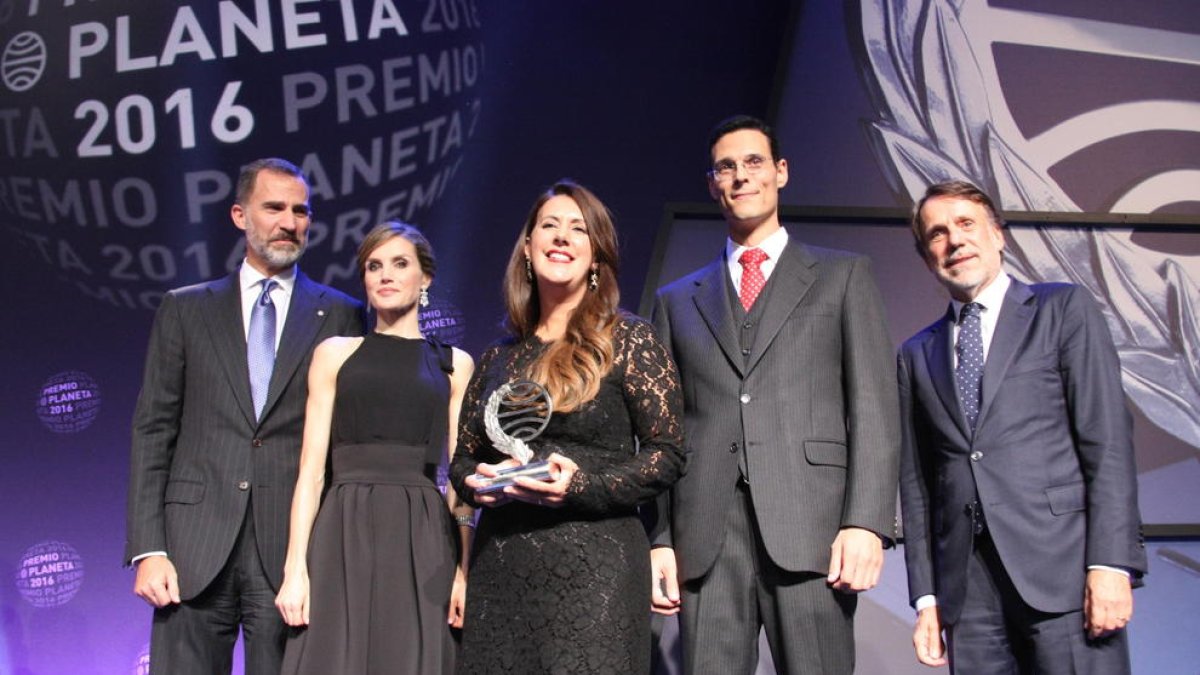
x=250, y=278
x=990, y=297
x=773, y=246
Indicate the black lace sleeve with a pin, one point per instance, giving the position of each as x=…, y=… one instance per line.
x=473, y=444
x=654, y=402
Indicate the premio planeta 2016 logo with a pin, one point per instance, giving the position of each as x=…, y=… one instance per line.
x=50, y=574
x=68, y=402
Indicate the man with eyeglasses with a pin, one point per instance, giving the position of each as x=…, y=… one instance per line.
x=792, y=422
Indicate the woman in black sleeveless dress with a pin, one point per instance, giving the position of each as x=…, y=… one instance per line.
x=374, y=592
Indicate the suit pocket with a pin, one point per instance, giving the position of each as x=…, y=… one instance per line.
x=1034, y=364
x=1066, y=498
x=827, y=453
x=183, y=492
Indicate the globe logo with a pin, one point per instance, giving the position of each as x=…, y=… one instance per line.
x=23, y=61
x=142, y=664
x=68, y=402
x=50, y=573
x=444, y=321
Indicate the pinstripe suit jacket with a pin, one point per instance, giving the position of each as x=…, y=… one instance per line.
x=815, y=406
x=198, y=456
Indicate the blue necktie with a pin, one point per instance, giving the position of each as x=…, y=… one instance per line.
x=969, y=373
x=260, y=346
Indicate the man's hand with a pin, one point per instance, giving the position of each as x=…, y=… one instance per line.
x=664, y=581
x=927, y=638
x=156, y=581
x=856, y=560
x=1107, y=602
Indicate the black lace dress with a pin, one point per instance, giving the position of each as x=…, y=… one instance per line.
x=567, y=590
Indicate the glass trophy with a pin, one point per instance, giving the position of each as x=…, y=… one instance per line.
x=516, y=412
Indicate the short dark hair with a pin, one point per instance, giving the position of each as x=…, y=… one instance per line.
x=249, y=173
x=385, y=232
x=960, y=189
x=739, y=122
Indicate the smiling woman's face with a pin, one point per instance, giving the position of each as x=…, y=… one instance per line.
x=558, y=246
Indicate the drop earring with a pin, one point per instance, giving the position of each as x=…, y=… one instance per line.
x=528, y=269
x=593, y=280
x=424, y=300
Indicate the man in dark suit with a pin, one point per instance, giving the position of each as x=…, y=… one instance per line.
x=792, y=427
x=216, y=436
x=1018, y=484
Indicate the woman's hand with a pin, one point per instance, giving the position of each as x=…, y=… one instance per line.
x=292, y=600
x=458, y=599
x=550, y=493
x=496, y=498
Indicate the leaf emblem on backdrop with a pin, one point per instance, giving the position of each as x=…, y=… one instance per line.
x=942, y=114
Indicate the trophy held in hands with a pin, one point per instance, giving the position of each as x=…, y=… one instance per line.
x=515, y=413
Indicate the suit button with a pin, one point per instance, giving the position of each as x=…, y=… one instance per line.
x=744, y=398
x=733, y=448
x=747, y=325
x=243, y=485
x=976, y=456
x=745, y=352
x=256, y=442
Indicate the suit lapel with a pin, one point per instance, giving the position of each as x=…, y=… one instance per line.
x=306, y=314
x=789, y=283
x=1016, y=316
x=712, y=301
x=938, y=350
x=228, y=333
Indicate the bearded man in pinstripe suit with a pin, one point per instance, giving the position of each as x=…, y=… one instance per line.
x=791, y=421
x=216, y=436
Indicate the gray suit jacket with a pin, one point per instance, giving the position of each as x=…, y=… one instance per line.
x=815, y=408
x=198, y=456
x=1051, y=457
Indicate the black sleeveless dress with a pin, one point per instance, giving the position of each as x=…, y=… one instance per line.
x=382, y=556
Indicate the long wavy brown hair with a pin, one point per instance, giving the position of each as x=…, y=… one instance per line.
x=571, y=368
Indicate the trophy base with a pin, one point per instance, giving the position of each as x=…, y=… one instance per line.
x=505, y=477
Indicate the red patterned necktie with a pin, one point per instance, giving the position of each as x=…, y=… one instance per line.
x=752, y=276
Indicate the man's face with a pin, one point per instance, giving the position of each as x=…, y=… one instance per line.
x=749, y=197
x=275, y=219
x=961, y=245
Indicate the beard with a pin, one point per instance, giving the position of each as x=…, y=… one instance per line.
x=271, y=250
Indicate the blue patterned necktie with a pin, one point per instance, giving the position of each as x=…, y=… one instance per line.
x=260, y=346
x=969, y=349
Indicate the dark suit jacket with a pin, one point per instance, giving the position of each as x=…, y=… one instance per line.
x=198, y=456
x=816, y=406
x=1051, y=457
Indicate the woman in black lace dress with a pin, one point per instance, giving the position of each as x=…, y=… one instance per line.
x=560, y=577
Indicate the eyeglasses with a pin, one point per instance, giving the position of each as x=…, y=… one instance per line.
x=726, y=169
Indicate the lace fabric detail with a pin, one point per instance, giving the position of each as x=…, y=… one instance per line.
x=565, y=590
